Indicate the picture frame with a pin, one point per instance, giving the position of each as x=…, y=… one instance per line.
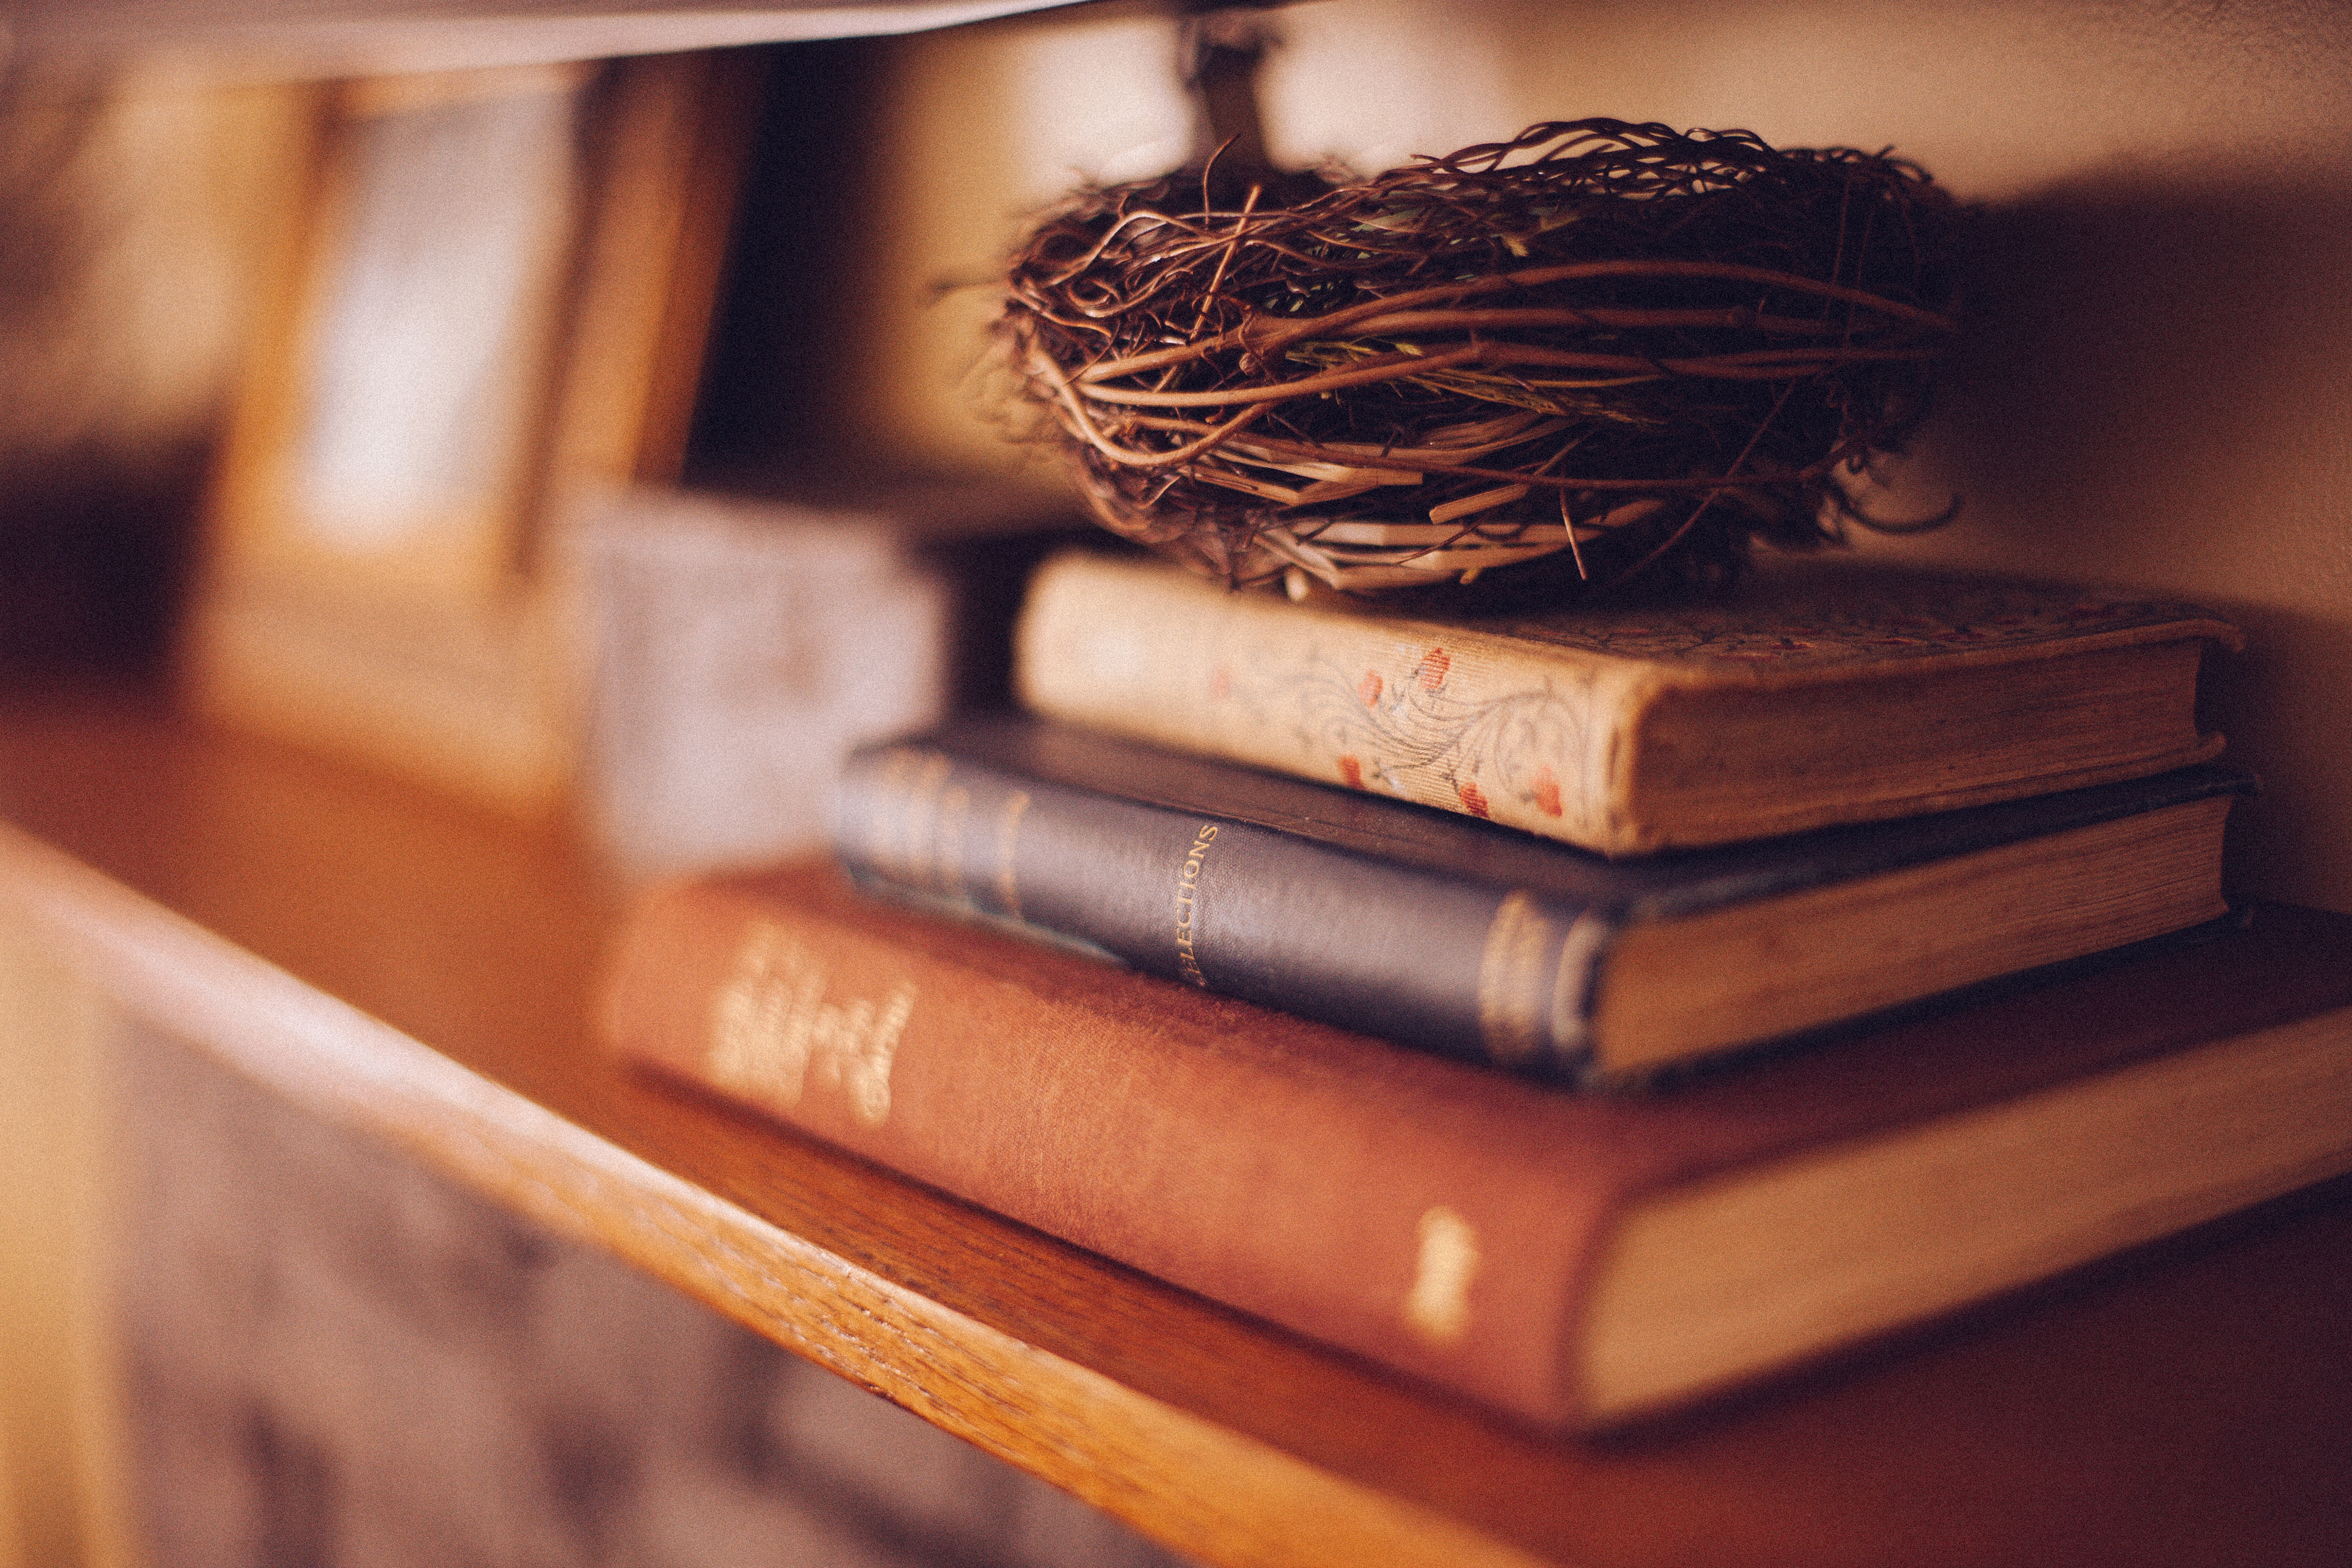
x=492, y=295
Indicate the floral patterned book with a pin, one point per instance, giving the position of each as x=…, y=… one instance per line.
x=1814, y=695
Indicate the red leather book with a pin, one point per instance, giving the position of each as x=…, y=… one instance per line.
x=1572, y=1258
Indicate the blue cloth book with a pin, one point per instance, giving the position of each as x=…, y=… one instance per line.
x=1457, y=936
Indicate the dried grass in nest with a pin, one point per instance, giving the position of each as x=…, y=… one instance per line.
x=1596, y=350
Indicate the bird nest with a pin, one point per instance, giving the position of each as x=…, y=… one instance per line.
x=1596, y=350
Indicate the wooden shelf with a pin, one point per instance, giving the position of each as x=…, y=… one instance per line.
x=392, y=960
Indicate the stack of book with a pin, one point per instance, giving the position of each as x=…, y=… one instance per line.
x=1812, y=963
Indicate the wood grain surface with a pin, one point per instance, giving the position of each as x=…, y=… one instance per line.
x=420, y=971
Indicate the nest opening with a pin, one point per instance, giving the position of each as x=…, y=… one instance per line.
x=1593, y=353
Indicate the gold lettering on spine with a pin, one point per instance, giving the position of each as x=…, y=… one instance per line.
x=1188, y=888
x=1008, y=846
x=886, y=821
x=773, y=1032
x=918, y=783
x=1515, y=983
x=1437, y=1308
x=946, y=841
x=761, y=1018
x=1572, y=997
x=868, y=1076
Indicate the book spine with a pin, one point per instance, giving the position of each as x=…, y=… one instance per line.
x=1450, y=717
x=1495, y=974
x=1432, y=1217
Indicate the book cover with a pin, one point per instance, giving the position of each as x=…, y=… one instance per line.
x=1475, y=1229
x=1817, y=694
x=1457, y=936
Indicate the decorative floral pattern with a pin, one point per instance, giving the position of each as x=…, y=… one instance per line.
x=1525, y=721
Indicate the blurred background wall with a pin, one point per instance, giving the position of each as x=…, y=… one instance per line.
x=136, y=203
x=134, y=206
